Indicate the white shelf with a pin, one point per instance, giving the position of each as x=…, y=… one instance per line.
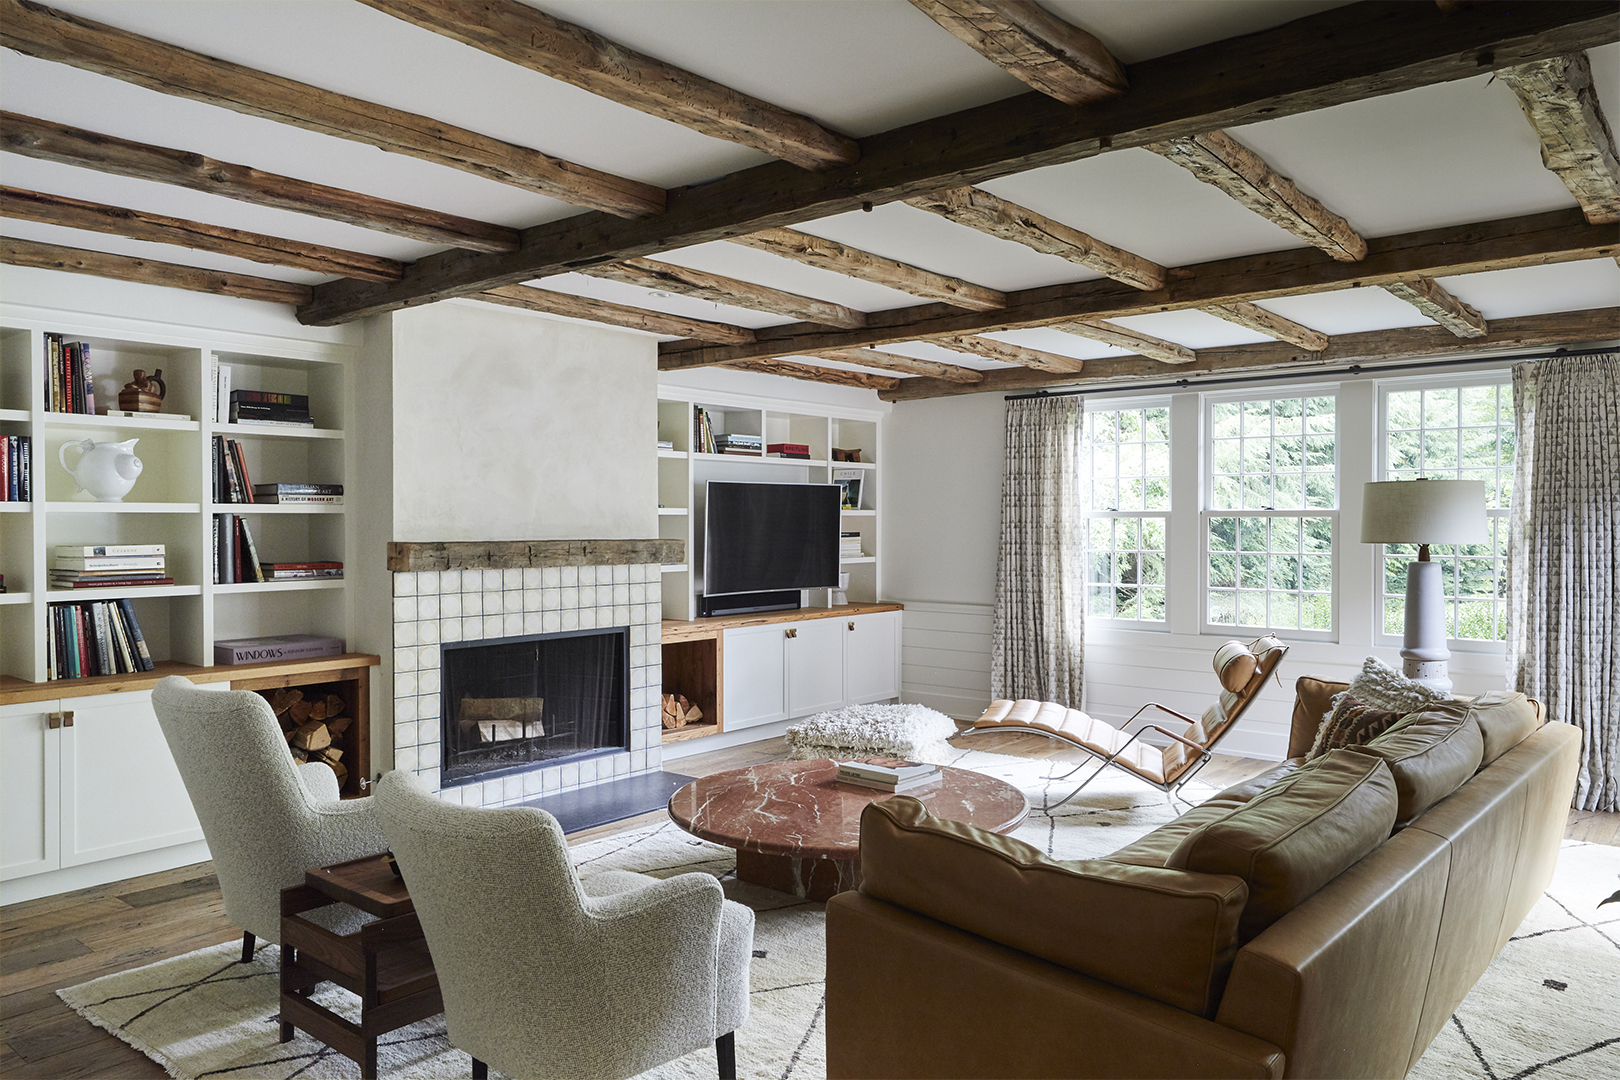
x=859, y=513
x=273, y=431
x=280, y=586
x=801, y=462
x=862, y=559
x=122, y=508
x=13, y=414
x=852, y=464
x=15, y=598
x=671, y=453
x=673, y=511
x=18, y=507
x=56, y=596
x=153, y=422
x=276, y=508
x=673, y=568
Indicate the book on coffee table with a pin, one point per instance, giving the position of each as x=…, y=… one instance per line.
x=887, y=773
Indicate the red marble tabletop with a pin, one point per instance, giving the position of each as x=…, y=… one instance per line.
x=798, y=808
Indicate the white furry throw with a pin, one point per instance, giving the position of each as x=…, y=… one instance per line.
x=1382, y=687
x=909, y=731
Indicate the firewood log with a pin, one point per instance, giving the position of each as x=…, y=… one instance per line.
x=299, y=711
x=334, y=705
x=339, y=725
x=282, y=699
x=317, y=710
x=312, y=735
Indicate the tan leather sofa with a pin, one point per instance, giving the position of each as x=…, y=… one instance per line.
x=1279, y=929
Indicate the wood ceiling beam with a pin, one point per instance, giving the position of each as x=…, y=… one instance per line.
x=1345, y=54
x=838, y=377
x=149, y=272
x=1218, y=159
x=1561, y=103
x=530, y=38
x=47, y=141
x=552, y=302
x=853, y=262
x=1534, y=240
x=1034, y=46
x=1431, y=298
x=36, y=30
x=1167, y=352
x=1378, y=346
x=667, y=277
x=1258, y=319
x=1008, y=353
x=980, y=210
x=909, y=365
x=160, y=229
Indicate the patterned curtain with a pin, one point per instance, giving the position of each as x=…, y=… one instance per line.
x=1563, y=641
x=1039, y=637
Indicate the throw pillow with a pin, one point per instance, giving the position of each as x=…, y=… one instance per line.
x=1382, y=687
x=1348, y=722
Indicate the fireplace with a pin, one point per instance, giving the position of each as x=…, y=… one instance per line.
x=512, y=704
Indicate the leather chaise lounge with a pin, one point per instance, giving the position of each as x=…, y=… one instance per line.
x=1321, y=920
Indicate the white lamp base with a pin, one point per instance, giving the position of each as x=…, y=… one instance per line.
x=1424, y=649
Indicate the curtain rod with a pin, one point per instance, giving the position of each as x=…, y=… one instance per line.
x=1353, y=369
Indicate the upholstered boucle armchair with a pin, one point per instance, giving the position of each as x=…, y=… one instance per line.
x=266, y=818
x=543, y=975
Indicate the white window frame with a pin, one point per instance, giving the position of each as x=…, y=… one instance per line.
x=1086, y=515
x=1207, y=512
x=1384, y=387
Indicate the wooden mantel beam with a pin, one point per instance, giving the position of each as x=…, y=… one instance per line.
x=573, y=54
x=1431, y=298
x=551, y=302
x=1561, y=103
x=36, y=30
x=1167, y=352
x=160, y=229
x=853, y=262
x=47, y=141
x=668, y=277
x=1034, y=46
x=1345, y=54
x=16, y=252
x=909, y=365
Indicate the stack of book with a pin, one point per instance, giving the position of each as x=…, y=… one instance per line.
x=267, y=649
x=71, y=387
x=231, y=484
x=98, y=638
x=702, y=430
x=751, y=445
x=299, y=571
x=108, y=566
x=789, y=450
x=849, y=545
x=299, y=494
x=262, y=407
x=894, y=775
x=16, y=468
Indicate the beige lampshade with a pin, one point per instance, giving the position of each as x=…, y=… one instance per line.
x=1423, y=512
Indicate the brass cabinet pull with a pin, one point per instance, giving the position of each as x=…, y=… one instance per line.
x=54, y=720
x=793, y=633
x=67, y=718
x=852, y=626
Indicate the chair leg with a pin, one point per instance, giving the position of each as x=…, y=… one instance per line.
x=725, y=1048
x=1082, y=787
x=247, y=946
x=480, y=1070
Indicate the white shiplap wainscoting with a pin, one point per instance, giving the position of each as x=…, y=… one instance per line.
x=945, y=657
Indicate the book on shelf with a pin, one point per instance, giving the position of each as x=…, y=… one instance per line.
x=108, y=551
x=271, y=397
x=70, y=387
x=290, y=414
x=666, y=444
x=97, y=637
x=248, y=552
x=16, y=468
x=788, y=449
x=284, y=573
x=231, y=481
x=222, y=391
x=107, y=562
x=283, y=647
x=251, y=422
x=300, y=500
x=109, y=583
x=297, y=489
x=127, y=413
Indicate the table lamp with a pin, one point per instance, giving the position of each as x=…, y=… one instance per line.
x=1424, y=512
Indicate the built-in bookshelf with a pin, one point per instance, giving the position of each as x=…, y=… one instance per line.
x=684, y=470
x=172, y=502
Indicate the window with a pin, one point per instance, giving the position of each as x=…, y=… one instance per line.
x=1125, y=497
x=1272, y=501
x=1453, y=432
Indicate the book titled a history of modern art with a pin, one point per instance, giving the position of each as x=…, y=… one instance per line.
x=263, y=650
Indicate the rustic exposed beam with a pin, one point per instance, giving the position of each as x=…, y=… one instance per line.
x=667, y=277
x=1377, y=346
x=100, y=264
x=855, y=263
x=579, y=307
x=1258, y=319
x=1351, y=53
x=36, y=30
x=1534, y=240
x=1167, y=352
x=811, y=373
x=160, y=229
x=1008, y=353
x=573, y=54
x=1034, y=46
x=978, y=209
x=47, y=141
x=909, y=365
x=1217, y=158
x=1561, y=103
x=1431, y=298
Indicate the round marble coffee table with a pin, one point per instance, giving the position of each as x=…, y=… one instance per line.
x=797, y=830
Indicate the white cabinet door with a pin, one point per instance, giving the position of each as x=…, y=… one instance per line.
x=872, y=656
x=121, y=792
x=30, y=790
x=815, y=663
x=753, y=683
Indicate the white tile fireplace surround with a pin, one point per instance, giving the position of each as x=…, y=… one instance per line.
x=436, y=606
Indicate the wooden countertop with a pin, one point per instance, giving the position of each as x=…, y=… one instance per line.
x=15, y=691
x=697, y=629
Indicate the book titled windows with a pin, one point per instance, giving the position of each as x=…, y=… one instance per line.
x=102, y=637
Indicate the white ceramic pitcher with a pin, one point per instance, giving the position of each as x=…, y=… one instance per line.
x=107, y=470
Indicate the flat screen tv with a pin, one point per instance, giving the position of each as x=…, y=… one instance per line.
x=768, y=538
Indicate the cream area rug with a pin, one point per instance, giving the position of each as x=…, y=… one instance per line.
x=1546, y=1006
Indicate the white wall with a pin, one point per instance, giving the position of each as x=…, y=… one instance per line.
x=511, y=426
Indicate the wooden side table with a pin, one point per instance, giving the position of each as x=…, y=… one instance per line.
x=385, y=963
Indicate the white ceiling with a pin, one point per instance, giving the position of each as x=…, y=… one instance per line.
x=1443, y=155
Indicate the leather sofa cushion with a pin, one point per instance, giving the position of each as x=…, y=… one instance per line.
x=1155, y=848
x=1166, y=934
x=1312, y=699
x=1506, y=718
x=1297, y=835
x=1430, y=753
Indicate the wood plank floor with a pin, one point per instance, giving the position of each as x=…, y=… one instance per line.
x=60, y=941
